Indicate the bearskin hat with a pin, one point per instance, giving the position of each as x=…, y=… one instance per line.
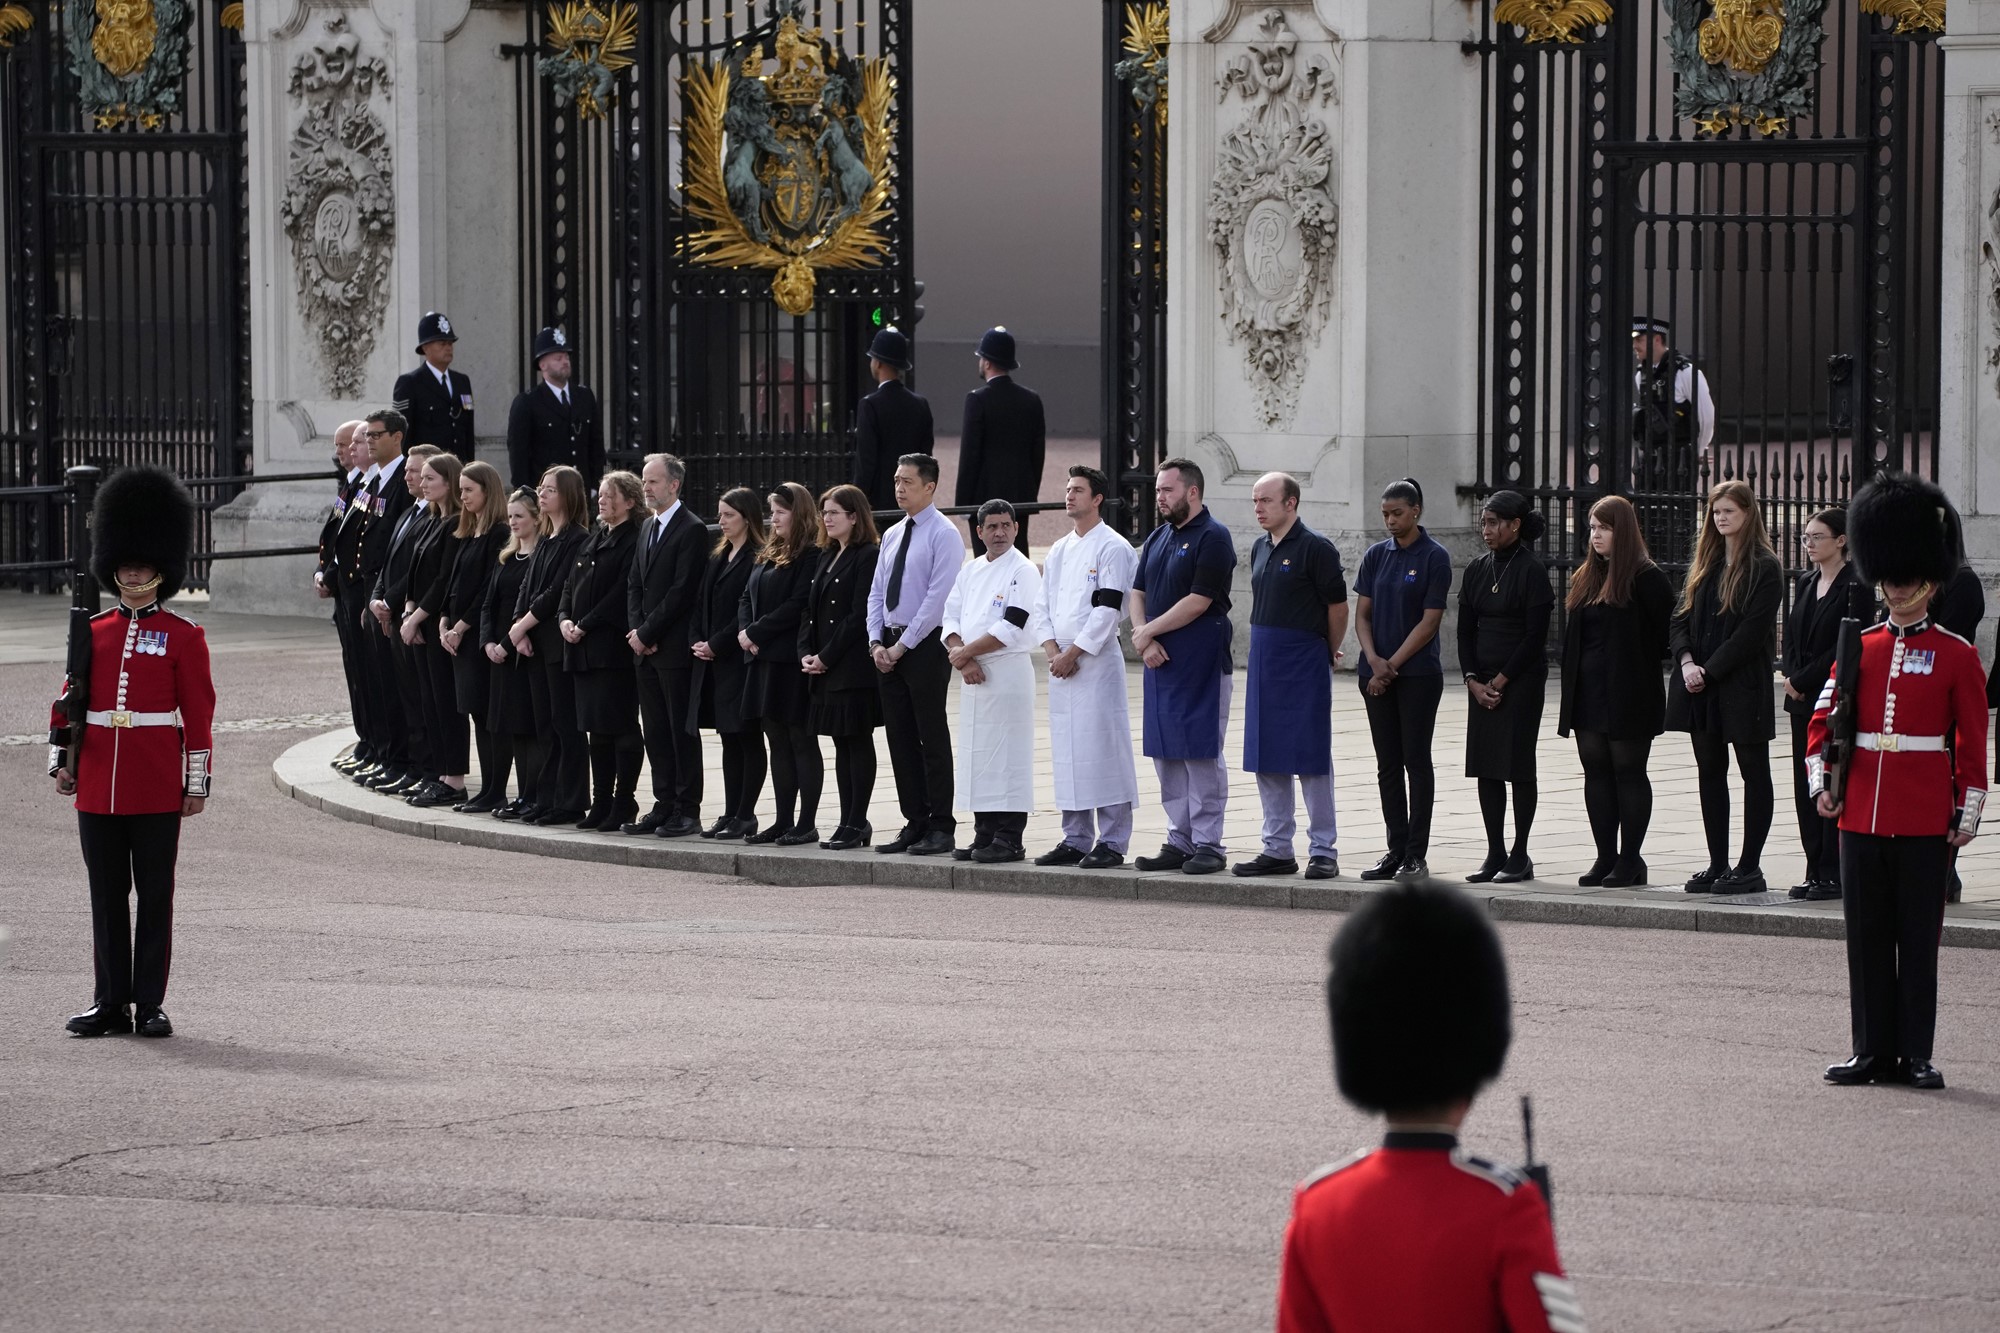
x=1418, y=996
x=1902, y=529
x=143, y=516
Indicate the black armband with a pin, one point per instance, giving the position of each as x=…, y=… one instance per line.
x=1016, y=616
x=1110, y=597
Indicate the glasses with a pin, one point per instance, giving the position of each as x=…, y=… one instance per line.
x=374, y=434
x=1815, y=538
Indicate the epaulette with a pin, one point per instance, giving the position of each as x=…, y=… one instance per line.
x=1334, y=1168
x=1881, y=627
x=1506, y=1179
x=109, y=611
x=1952, y=633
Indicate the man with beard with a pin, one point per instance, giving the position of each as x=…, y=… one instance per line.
x=555, y=423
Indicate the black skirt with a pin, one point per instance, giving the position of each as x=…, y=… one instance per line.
x=471, y=677
x=607, y=700
x=510, y=698
x=1500, y=742
x=844, y=712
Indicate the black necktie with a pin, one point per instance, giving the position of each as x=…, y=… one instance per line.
x=895, y=598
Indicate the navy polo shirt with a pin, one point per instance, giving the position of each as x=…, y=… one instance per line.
x=1401, y=583
x=1197, y=557
x=1293, y=583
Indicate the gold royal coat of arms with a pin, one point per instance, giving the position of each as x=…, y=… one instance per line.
x=787, y=159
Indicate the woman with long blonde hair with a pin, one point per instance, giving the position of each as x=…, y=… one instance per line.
x=1723, y=640
x=563, y=787
x=593, y=614
x=774, y=689
x=482, y=524
x=1612, y=698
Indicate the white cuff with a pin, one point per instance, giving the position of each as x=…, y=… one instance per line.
x=197, y=773
x=1969, y=813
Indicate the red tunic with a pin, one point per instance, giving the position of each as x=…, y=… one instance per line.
x=1917, y=684
x=1422, y=1239
x=149, y=662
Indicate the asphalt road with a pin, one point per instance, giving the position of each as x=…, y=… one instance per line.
x=427, y=1086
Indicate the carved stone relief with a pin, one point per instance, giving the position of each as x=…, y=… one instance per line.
x=339, y=204
x=1271, y=212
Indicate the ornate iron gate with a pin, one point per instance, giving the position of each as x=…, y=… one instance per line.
x=685, y=337
x=127, y=315
x=1787, y=227
x=1135, y=255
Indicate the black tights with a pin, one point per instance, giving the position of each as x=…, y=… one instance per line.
x=1493, y=808
x=496, y=757
x=1617, y=794
x=530, y=752
x=742, y=772
x=854, y=776
x=1753, y=764
x=797, y=771
x=614, y=767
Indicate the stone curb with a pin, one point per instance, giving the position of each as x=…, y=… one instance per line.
x=302, y=773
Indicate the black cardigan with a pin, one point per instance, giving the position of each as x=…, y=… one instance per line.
x=1740, y=693
x=1638, y=643
x=1812, y=630
x=594, y=597
x=835, y=628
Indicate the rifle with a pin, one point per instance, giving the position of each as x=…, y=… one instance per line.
x=1840, y=722
x=1537, y=1172
x=65, y=740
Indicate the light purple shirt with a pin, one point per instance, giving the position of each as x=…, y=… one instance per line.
x=927, y=578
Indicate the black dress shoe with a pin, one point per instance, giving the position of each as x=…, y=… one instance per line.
x=962, y=853
x=402, y=786
x=1861, y=1069
x=1599, y=868
x=1487, y=869
x=366, y=775
x=902, y=842
x=719, y=828
x=380, y=778
x=1414, y=870
x=768, y=836
x=1203, y=862
x=1799, y=890
x=935, y=843
x=1822, y=891
x=650, y=824
x=1170, y=858
x=592, y=817
x=738, y=828
x=679, y=826
x=1743, y=879
x=513, y=810
x=845, y=839
x=1516, y=870
x=432, y=795
x=1626, y=874
x=1921, y=1074
x=1704, y=881
x=1100, y=857
x=800, y=836
x=1062, y=854
x=552, y=818
x=1260, y=864
x=1323, y=867
x=151, y=1021
x=100, y=1020
x=618, y=816
x=1385, y=868
x=998, y=853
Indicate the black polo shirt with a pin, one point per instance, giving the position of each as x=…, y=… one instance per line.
x=1292, y=584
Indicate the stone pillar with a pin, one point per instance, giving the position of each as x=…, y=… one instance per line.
x=381, y=185
x=1969, y=400
x=1324, y=232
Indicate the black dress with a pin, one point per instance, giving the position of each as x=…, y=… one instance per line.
x=472, y=567
x=845, y=701
x=607, y=688
x=716, y=687
x=1736, y=648
x=1503, y=629
x=770, y=610
x=1612, y=679
x=510, y=707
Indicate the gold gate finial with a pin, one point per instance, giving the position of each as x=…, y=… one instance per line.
x=1552, y=20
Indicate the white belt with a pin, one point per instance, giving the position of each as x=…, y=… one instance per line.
x=1894, y=743
x=98, y=718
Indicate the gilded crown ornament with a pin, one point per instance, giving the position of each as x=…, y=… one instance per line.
x=1552, y=20
x=1745, y=63
x=788, y=168
x=591, y=43
x=129, y=58
x=1909, y=15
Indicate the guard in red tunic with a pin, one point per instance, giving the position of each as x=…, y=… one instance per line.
x=1416, y=1235
x=1910, y=795
x=130, y=738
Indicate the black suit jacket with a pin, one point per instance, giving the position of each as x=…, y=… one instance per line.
x=395, y=582
x=436, y=417
x=329, y=531
x=665, y=579
x=1003, y=444
x=1960, y=604
x=1812, y=631
x=378, y=523
x=542, y=433
x=891, y=422
x=835, y=627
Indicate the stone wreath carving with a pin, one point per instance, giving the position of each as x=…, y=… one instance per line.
x=339, y=205
x=1992, y=260
x=130, y=58
x=1271, y=213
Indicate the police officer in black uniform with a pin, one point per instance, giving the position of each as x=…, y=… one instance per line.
x=435, y=399
x=556, y=422
x=1673, y=420
x=891, y=421
x=1004, y=441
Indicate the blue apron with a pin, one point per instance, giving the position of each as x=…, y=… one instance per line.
x=1288, y=726
x=1184, y=697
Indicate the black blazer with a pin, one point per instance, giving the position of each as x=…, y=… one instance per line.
x=772, y=606
x=1960, y=604
x=890, y=422
x=665, y=579
x=547, y=576
x=715, y=621
x=399, y=557
x=542, y=433
x=594, y=597
x=1638, y=643
x=835, y=625
x=336, y=514
x=1812, y=631
x=436, y=417
x=376, y=527
x=430, y=570
x=473, y=563
x=1739, y=666
x=1003, y=444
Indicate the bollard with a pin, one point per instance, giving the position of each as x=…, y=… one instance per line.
x=82, y=482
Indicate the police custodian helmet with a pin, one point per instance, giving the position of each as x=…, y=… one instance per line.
x=550, y=340
x=891, y=348
x=143, y=516
x=1902, y=529
x=434, y=328
x=1417, y=991
x=997, y=346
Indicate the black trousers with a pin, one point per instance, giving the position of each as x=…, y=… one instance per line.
x=387, y=738
x=1401, y=721
x=444, y=725
x=1893, y=900
x=1753, y=765
x=919, y=732
x=124, y=854
x=1006, y=826
x=672, y=750
x=1819, y=836
x=404, y=671
x=798, y=772
x=355, y=670
x=563, y=782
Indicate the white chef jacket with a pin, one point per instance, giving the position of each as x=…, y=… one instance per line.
x=1090, y=721
x=996, y=720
